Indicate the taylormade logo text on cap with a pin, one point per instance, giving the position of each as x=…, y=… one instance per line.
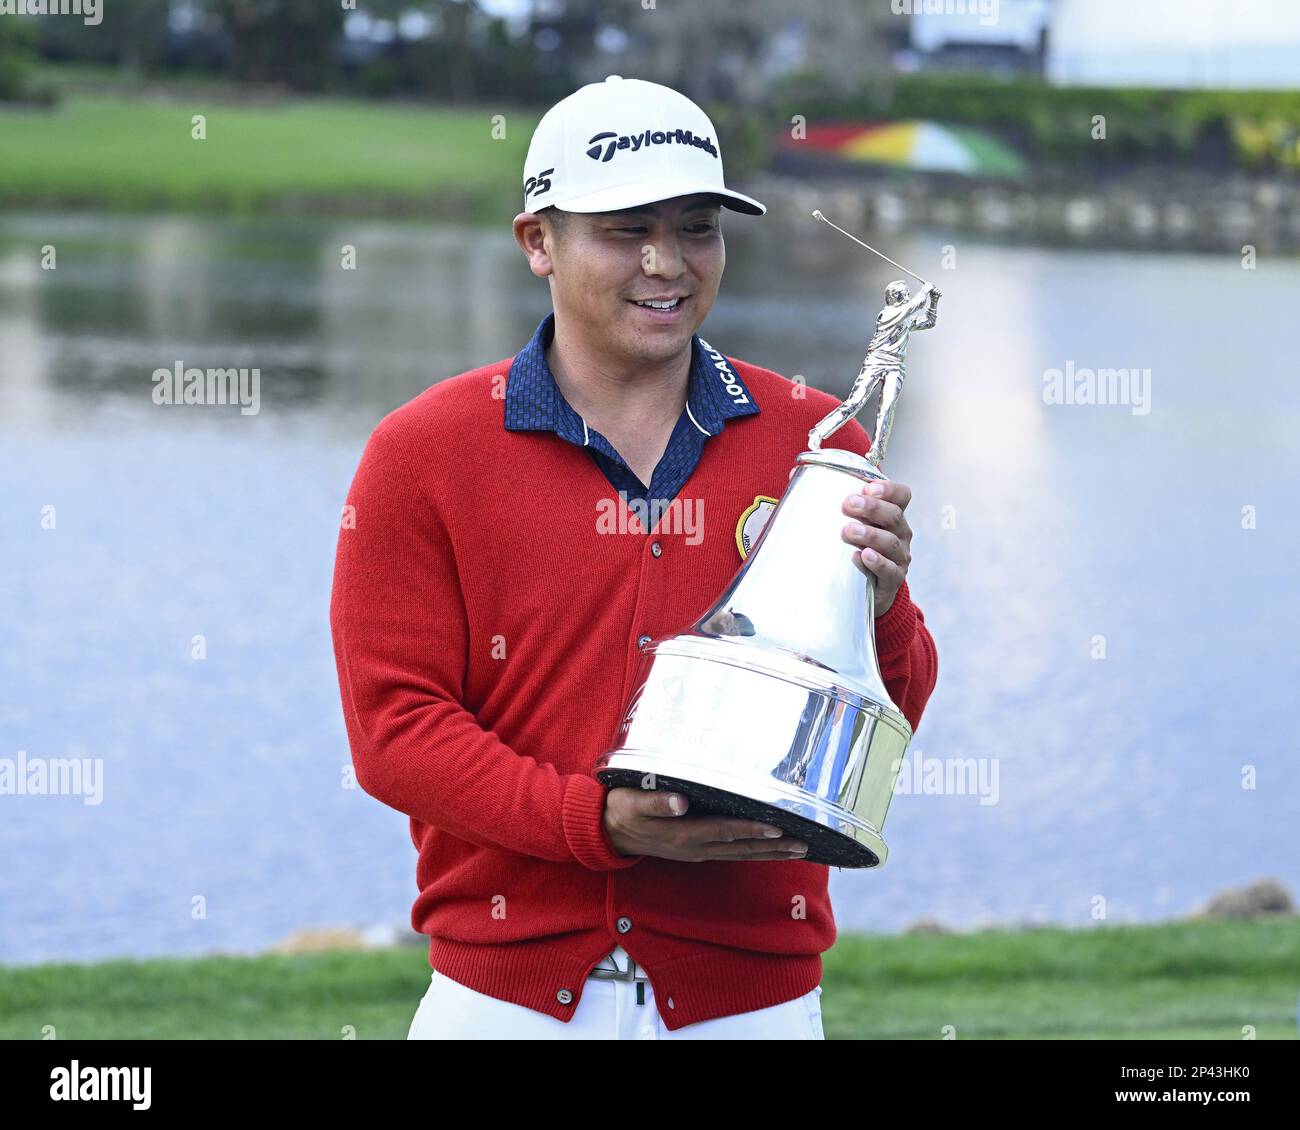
x=622, y=143
x=649, y=137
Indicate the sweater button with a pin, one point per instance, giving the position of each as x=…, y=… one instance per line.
x=643, y=641
x=624, y=925
x=564, y=996
x=657, y=549
x=671, y=1004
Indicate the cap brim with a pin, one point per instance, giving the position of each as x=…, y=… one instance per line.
x=622, y=196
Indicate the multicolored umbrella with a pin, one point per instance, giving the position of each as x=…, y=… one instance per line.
x=915, y=145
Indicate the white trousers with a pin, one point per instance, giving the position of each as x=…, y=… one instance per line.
x=608, y=1010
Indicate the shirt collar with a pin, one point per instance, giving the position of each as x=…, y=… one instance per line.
x=715, y=392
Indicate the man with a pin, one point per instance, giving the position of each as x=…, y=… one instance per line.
x=494, y=588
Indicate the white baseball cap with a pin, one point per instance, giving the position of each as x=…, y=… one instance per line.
x=624, y=142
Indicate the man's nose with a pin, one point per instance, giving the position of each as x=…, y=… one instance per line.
x=662, y=255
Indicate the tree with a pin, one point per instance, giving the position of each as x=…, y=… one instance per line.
x=18, y=39
x=289, y=41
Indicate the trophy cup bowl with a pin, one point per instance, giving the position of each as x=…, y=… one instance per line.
x=771, y=705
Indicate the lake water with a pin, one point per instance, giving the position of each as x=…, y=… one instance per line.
x=1163, y=532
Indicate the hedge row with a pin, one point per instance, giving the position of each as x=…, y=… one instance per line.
x=1056, y=123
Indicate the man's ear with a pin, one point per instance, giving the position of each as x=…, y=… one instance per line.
x=530, y=233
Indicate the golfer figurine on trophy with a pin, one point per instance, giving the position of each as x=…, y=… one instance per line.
x=883, y=366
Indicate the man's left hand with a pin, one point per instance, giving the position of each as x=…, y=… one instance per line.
x=881, y=535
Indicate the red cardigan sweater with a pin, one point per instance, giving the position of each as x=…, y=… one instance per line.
x=485, y=629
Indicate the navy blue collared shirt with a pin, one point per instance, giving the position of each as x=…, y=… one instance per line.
x=715, y=393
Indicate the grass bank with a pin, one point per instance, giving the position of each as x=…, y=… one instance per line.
x=129, y=150
x=1185, y=980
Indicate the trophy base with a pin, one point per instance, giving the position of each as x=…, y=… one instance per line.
x=831, y=838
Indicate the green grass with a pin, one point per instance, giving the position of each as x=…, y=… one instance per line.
x=133, y=151
x=1187, y=980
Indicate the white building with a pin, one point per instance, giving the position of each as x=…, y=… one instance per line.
x=1175, y=43
x=1208, y=44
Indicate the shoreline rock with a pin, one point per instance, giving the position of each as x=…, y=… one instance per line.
x=1176, y=209
x=1264, y=898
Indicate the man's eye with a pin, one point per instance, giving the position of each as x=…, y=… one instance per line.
x=696, y=229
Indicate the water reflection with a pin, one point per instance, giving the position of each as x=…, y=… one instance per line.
x=1046, y=536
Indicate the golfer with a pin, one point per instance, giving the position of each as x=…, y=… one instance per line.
x=493, y=588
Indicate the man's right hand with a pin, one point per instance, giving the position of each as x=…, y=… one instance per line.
x=644, y=822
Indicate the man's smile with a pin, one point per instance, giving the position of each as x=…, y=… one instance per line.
x=664, y=310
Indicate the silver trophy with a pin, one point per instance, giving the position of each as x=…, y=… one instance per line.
x=771, y=705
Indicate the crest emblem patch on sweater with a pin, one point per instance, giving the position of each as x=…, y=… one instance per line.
x=752, y=520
